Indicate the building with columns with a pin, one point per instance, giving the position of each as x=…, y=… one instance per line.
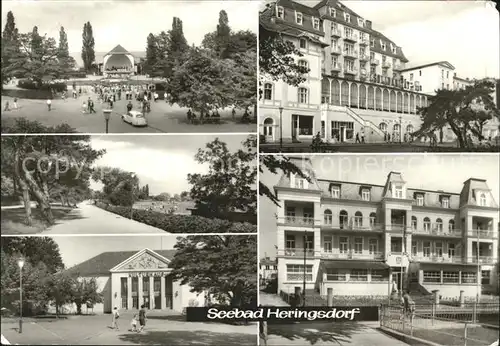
x=129, y=279
x=365, y=239
x=358, y=83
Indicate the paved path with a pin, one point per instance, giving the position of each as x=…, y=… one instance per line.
x=163, y=118
x=89, y=219
x=268, y=299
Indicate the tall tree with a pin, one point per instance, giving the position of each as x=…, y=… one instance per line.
x=223, y=34
x=36, y=41
x=10, y=49
x=151, y=60
x=35, y=250
x=66, y=62
x=465, y=111
x=120, y=187
x=88, y=53
x=176, y=50
x=223, y=266
x=229, y=184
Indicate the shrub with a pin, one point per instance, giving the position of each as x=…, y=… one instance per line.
x=31, y=85
x=30, y=94
x=180, y=223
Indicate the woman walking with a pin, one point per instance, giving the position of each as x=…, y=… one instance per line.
x=142, y=318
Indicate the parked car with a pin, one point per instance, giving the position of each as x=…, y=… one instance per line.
x=135, y=118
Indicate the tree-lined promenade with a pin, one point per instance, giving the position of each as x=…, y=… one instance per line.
x=219, y=77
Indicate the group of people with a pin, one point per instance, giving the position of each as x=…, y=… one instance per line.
x=137, y=324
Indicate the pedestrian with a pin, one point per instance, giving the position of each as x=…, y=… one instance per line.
x=156, y=96
x=114, y=321
x=111, y=103
x=129, y=107
x=142, y=318
x=408, y=305
x=165, y=96
x=362, y=137
x=14, y=105
x=7, y=106
x=84, y=107
x=91, y=106
x=49, y=104
x=133, y=324
x=233, y=112
x=357, y=138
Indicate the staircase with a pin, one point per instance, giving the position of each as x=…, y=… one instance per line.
x=420, y=294
x=372, y=132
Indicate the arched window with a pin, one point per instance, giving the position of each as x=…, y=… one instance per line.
x=268, y=127
x=378, y=99
x=419, y=102
x=405, y=103
x=386, y=100
x=371, y=97
x=268, y=91
x=414, y=223
x=362, y=96
x=328, y=217
x=373, y=219
x=393, y=101
x=343, y=219
x=482, y=200
x=439, y=225
x=383, y=127
x=344, y=96
x=354, y=95
x=303, y=95
x=451, y=225
x=396, y=129
x=358, y=219
x=427, y=224
x=409, y=129
x=335, y=93
x=399, y=99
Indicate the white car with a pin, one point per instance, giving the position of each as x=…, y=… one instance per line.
x=135, y=118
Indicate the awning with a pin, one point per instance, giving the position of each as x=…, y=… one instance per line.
x=354, y=265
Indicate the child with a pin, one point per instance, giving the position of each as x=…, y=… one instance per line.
x=134, y=323
x=84, y=107
x=15, y=103
x=116, y=316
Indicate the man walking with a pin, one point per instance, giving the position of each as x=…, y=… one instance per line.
x=49, y=104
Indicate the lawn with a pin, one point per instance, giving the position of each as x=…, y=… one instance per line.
x=13, y=220
x=476, y=336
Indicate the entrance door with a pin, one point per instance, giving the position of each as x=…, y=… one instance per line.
x=295, y=125
x=342, y=133
x=169, y=291
x=157, y=293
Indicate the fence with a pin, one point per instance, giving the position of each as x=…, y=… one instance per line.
x=470, y=325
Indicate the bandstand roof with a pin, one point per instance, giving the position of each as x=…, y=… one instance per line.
x=118, y=50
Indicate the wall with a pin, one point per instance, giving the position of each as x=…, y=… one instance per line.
x=453, y=291
x=356, y=289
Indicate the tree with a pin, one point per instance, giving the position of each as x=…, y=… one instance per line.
x=241, y=42
x=11, y=52
x=223, y=34
x=465, y=111
x=244, y=80
x=151, y=60
x=88, y=53
x=120, y=187
x=85, y=291
x=185, y=195
x=229, y=184
x=35, y=250
x=223, y=266
x=176, y=49
x=60, y=288
x=66, y=62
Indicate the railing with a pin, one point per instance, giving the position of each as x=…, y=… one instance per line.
x=351, y=70
x=336, y=67
x=374, y=61
x=482, y=259
x=351, y=37
x=298, y=221
x=297, y=252
x=351, y=224
x=438, y=232
x=364, y=57
x=398, y=227
x=484, y=234
x=336, y=49
x=438, y=259
x=386, y=64
x=351, y=53
x=352, y=255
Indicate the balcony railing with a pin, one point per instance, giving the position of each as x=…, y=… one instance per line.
x=336, y=33
x=483, y=234
x=363, y=41
x=374, y=61
x=297, y=252
x=438, y=259
x=386, y=64
x=336, y=67
x=336, y=50
x=335, y=254
x=364, y=57
x=350, y=70
x=351, y=53
x=297, y=221
x=436, y=231
x=398, y=67
x=351, y=37
x=355, y=224
x=482, y=259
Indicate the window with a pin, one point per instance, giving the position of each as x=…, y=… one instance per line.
x=414, y=249
x=328, y=217
x=335, y=192
x=439, y=225
x=333, y=13
x=373, y=220
x=303, y=43
x=302, y=95
x=445, y=202
x=451, y=250
x=373, y=246
x=268, y=91
x=447, y=74
x=300, y=183
x=361, y=22
x=384, y=46
x=358, y=245
x=309, y=243
x=469, y=278
x=295, y=272
x=398, y=192
x=298, y=18
x=482, y=200
x=308, y=215
x=268, y=127
x=347, y=17
x=281, y=13
x=380, y=275
x=336, y=275
x=442, y=73
x=327, y=243
x=427, y=249
x=290, y=214
x=411, y=77
x=420, y=73
x=450, y=277
x=344, y=219
x=290, y=241
x=485, y=277
x=451, y=225
x=414, y=223
x=372, y=44
x=438, y=249
x=344, y=245
x=420, y=200
x=365, y=194
x=316, y=23
x=359, y=275
x=432, y=277
x=448, y=86
x=358, y=220
x=427, y=224
x=303, y=63
x=442, y=85
x=347, y=33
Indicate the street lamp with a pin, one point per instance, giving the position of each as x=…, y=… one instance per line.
x=107, y=115
x=132, y=177
x=20, y=262
x=281, y=129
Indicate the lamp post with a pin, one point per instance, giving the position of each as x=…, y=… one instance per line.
x=305, y=272
x=132, y=177
x=107, y=115
x=281, y=129
x=20, y=262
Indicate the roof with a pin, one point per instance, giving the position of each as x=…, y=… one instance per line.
x=354, y=264
x=442, y=63
x=118, y=50
x=99, y=57
x=470, y=189
x=101, y=264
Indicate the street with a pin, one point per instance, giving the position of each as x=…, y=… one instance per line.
x=163, y=118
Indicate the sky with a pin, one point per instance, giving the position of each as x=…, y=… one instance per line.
x=465, y=33
x=127, y=22
x=75, y=250
x=420, y=171
x=163, y=162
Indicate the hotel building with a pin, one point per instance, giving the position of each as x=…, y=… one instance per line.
x=359, y=81
x=365, y=239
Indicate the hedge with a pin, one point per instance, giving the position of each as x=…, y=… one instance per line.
x=31, y=85
x=180, y=223
x=27, y=94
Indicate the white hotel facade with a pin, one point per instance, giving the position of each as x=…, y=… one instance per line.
x=363, y=239
x=359, y=81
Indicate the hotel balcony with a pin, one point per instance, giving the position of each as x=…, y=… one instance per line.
x=297, y=253
x=299, y=221
x=364, y=57
x=374, y=61
x=351, y=54
x=352, y=255
x=335, y=50
x=482, y=260
x=364, y=41
x=336, y=67
x=336, y=33
x=437, y=231
x=351, y=38
x=350, y=70
x=350, y=224
x=386, y=64
x=298, y=214
x=482, y=234
x=438, y=259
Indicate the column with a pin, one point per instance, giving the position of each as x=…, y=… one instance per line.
x=348, y=95
x=129, y=293
x=139, y=291
x=151, y=292
x=163, y=293
x=329, y=95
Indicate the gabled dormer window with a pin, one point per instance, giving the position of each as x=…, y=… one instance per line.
x=420, y=199
x=361, y=22
x=280, y=12
x=315, y=23
x=445, y=201
x=333, y=12
x=365, y=194
x=335, y=191
x=297, y=182
x=482, y=199
x=384, y=46
x=298, y=18
x=347, y=17
x=398, y=191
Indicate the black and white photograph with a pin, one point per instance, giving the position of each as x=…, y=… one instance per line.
x=129, y=66
x=379, y=76
x=131, y=184
x=406, y=233
x=125, y=290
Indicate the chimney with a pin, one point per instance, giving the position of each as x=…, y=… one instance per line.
x=368, y=24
